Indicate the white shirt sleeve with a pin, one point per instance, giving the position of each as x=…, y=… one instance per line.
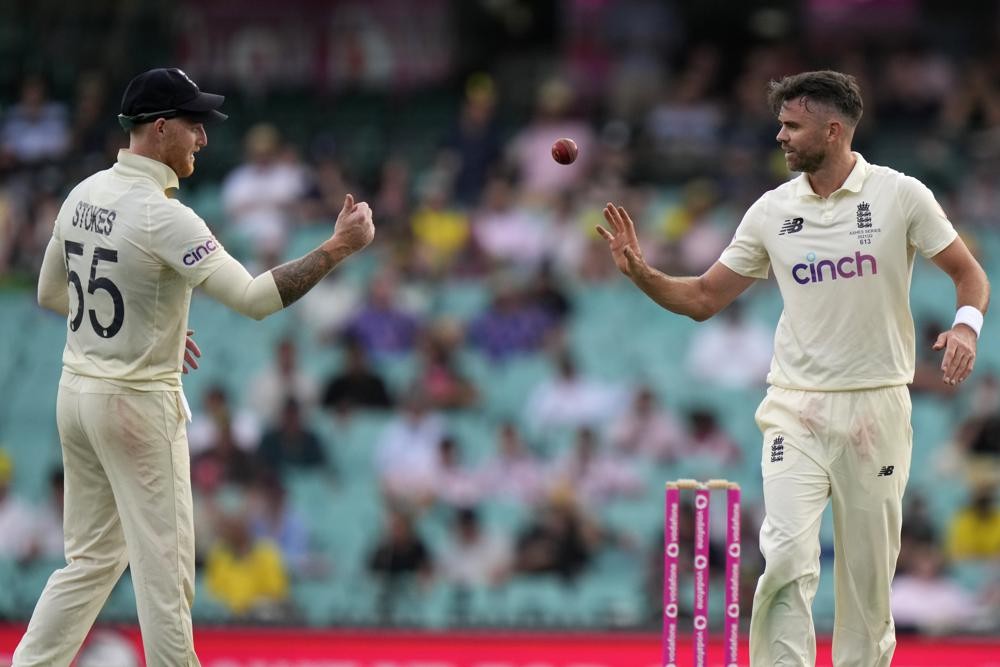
x=928, y=228
x=232, y=285
x=746, y=254
x=183, y=241
x=52, y=291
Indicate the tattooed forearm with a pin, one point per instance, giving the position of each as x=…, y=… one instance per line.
x=298, y=276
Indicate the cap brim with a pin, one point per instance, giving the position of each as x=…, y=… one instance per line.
x=204, y=107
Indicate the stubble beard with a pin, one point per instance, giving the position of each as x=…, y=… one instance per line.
x=806, y=162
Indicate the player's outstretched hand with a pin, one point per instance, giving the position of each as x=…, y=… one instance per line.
x=959, y=345
x=191, y=353
x=354, y=225
x=623, y=242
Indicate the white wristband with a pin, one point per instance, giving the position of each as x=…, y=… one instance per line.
x=971, y=317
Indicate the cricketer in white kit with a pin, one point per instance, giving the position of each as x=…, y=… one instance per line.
x=120, y=267
x=840, y=240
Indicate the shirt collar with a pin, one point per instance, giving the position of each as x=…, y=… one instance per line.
x=852, y=183
x=131, y=164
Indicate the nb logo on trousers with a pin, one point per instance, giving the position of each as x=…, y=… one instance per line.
x=885, y=471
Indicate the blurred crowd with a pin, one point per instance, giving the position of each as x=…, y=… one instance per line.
x=681, y=137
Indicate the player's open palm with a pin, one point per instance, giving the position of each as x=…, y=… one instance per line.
x=622, y=240
x=355, y=228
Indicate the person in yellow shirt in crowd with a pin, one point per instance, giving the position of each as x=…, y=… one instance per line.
x=975, y=529
x=245, y=575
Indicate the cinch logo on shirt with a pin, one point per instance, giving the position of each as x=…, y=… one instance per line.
x=845, y=267
x=198, y=253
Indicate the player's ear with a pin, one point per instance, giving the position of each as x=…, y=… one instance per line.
x=834, y=129
x=159, y=125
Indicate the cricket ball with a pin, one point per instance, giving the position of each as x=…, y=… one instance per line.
x=564, y=151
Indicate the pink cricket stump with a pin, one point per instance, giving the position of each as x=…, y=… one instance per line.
x=671, y=527
x=732, y=622
x=701, y=503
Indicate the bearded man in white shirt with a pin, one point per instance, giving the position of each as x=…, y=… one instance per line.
x=841, y=239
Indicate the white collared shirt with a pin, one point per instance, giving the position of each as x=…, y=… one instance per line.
x=133, y=256
x=843, y=265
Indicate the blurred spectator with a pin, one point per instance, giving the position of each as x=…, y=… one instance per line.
x=474, y=143
x=569, y=240
x=648, y=431
x=571, y=400
x=924, y=599
x=975, y=531
x=508, y=231
x=94, y=131
x=918, y=525
x=471, y=556
x=684, y=130
x=440, y=382
x=542, y=178
x=595, y=476
x=406, y=452
x=980, y=444
x=271, y=388
x=261, y=195
x=245, y=574
x=35, y=130
x=394, y=198
x=399, y=550
x=291, y=444
x=17, y=520
x=382, y=326
x=441, y=230
x=733, y=352
x=49, y=538
x=560, y=539
x=454, y=483
x=220, y=456
x=356, y=385
x=273, y=519
x=546, y=292
x=707, y=438
x=511, y=325
x=326, y=186
x=985, y=398
x=708, y=228
x=513, y=472
x=217, y=420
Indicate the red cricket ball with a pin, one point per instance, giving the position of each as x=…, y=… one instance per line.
x=564, y=151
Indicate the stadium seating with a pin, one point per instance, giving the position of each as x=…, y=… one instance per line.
x=344, y=511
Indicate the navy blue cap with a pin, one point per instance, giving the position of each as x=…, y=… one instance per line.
x=167, y=93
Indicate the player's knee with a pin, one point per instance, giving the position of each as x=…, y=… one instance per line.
x=100, y=568
x=783, y=566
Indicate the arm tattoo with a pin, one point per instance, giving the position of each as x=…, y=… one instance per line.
x=298, y=276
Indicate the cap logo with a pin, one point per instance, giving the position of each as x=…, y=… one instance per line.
x=186, y=77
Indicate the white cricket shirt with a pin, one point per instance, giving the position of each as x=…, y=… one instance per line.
x=132, y=257
x=843, y=265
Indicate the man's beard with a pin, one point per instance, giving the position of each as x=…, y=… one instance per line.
x=808, y=162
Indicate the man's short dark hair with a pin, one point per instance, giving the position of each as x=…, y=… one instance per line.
x=835, y=89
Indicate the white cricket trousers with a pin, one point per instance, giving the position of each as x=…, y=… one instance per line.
x=127, y=503
x=852, y=447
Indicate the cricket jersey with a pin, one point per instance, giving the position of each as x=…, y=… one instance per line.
x=132, y=257
x=843, y=265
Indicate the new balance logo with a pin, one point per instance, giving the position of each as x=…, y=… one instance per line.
x=791, y=226
x=885, y=471
x=778, y=449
